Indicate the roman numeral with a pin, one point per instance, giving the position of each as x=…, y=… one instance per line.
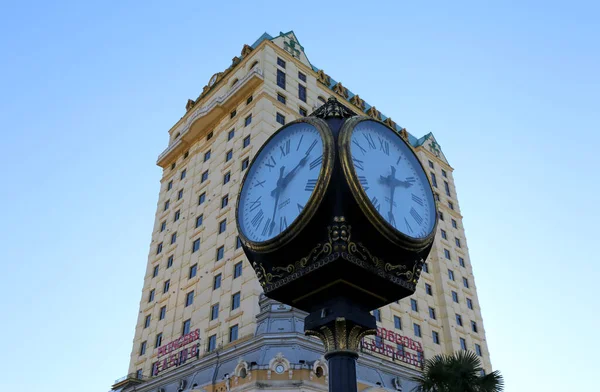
x=375, y=203
x=316, y=163
x=358, y=163
x=271, y=163
x=359, y=146
x=255, y=204
x=259, y=183
x=310, y=185
x=391, y=219
x=408, y=228
x=258, y=218
x=384, y=146
x=363, y=182
x=300, y=207
x=312, y=145
x=416, y=216
x=370, y=140
x=299, y=142
x=266, y=228
x=282, y=224
x=285, y=149
x=399, y=159
x=417, y=199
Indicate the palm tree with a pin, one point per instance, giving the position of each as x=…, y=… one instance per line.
x=459, y=372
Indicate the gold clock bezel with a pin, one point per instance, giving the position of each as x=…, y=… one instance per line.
x=313, y=202
x=382, y=225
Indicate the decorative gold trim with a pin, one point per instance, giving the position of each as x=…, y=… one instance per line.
x=387, y=230
x=337, y=338
x=314, y=200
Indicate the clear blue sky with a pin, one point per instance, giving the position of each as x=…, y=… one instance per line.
x=88, y=91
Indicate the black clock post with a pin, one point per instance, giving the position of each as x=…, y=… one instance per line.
x=341, y=257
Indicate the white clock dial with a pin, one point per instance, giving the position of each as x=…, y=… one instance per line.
x=393, y=179
x=280, y=182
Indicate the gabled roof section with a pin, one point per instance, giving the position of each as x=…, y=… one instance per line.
x=289, y=42
x=428, y=142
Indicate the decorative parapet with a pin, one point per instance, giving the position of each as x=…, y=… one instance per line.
x=323, y=78
x=373, y=112
x=390, y=123
x=189, y=105
x=343, y=91
x=404, y=135
x=246, y=50
x=357, y=101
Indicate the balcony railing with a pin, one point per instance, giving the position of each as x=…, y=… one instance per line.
x=130, y=379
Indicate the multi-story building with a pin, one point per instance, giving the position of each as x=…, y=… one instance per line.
x=203, y=323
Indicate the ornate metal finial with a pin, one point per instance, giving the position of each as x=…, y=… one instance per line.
x=332, y=109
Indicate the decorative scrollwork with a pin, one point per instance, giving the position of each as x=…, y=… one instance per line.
x=410, y=276
x=342, y=335
x=333, y=108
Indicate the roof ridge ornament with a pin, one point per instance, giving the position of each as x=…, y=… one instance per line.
x=332, y=108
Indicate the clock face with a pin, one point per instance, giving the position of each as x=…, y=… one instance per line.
x=393, y=179
x=212, y=80
x=280, y=182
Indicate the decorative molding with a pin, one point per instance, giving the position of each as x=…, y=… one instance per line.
x=342, y=336
x=333, y=108
x=246, y=50
x=323, y=78
x=340, y=89
x=357, y=101
x=373, y=112
x=404, y=135
x=390, y=123
x=190, y=104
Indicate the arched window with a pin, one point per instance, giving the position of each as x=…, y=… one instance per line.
x=254, y=64
x=322, y=99
x=234, y=82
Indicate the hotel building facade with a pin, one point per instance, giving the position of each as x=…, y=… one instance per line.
x=203, y=323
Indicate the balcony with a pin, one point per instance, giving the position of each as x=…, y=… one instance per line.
x=128, y=380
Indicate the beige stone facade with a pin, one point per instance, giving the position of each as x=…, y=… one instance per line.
x=194, y=244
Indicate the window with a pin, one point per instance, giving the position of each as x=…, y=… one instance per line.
x=463, y=344
x=151, y=295
x=212, y=343
x=167, y=205
x=322, y=99
x=187, y=154
x=199, y=220
x=158, y=340
x=441, y=215
x=245, y=164
x=436, y=337
x=217, y=281
x=202, y=198
x=233, y=113
x=454, y=224
x=163, y=226
x=377, y=314
x=444, y=174
x=193, y=271
x=280, y=118
x=196, y=245
x=226, y=178
x=170, y=261
x=281, y=98
x=432, y=313
x=183, y=173
x=450, y=205
x=159, y=248
x=173, y=238
x=430, y=164
x=238, y=242
x=204, y=176
x=281, y=79
x=413, y=305
x=425, y=267
x=224, y=201
x=186, y=327
x=433, y=180
x=235, y=301
x=450, y=274
x=447, y=188
x=162, y=313
x=228, y=155
x=459, y=320
x=474, y=326
x=302, y=92
x=301, y=76
x=233, y=333
x=214, y=312
x=444, y=236
x=143, y=348
x=139, y=374
x=469, y=303
x=428, y=289
x=209, y=135
x=246, y=141
x=230, y=134
x=461, y=261
x=302, y=112
x=455, y=296
x=478, y=350
x=166, y=286
x=170, y=185
x=248, y=120
x=147, y=321
x=457, y=242
x=417, y=329
x=447, y=254
x=280, y=62
x=206, y=155
x=397, y=322
x=176, y=215
x=155, y=271
x=180, y=194
x=466, y=282
x=237, y=270
x=249, y=99
x=220, y=253
x=189, y=298
x=222, y=226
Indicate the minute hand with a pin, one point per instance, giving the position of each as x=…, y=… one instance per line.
x=292, y=172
